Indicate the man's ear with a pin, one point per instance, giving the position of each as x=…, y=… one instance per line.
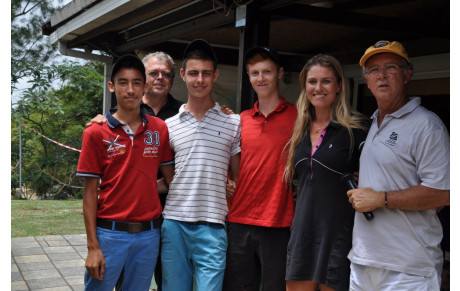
x=280, y=73
x=111, y=86
x=216, y=75
x=365, y=81
x=407, y=75
x=182, y=74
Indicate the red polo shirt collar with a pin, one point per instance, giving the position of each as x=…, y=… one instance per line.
x=280, y=107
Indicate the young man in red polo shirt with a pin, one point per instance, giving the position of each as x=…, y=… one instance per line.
x=122, y=219
x=262, y=207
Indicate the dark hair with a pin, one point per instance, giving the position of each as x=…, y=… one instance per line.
x=199, y=49
x=199, y=55
x=129, y=62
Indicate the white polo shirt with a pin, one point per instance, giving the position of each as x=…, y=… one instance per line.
x=411, y=147
x=202, y=155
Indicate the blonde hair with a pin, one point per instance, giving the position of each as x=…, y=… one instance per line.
x=341, y=111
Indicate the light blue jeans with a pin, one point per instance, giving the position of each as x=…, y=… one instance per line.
x=136, y=252
x=192, y=249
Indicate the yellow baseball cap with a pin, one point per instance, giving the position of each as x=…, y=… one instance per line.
x=384, y=46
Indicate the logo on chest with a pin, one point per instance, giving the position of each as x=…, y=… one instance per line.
x=391, y=141
x=152, y=142
x=114, y=146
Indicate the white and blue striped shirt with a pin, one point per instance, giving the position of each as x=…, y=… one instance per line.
x=202, y=155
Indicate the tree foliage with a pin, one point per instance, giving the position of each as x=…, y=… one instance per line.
x=61, y=98
x=29, y=47
x=60, y=114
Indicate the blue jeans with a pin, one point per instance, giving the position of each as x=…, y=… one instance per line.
x=187, y=249
x=136, y=252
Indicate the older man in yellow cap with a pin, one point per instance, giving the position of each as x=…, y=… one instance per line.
x=404, y=178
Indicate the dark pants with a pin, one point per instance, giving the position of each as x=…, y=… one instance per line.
x=256, y=258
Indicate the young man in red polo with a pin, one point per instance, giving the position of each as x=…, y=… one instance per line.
x=262, y=207
x=123, y=217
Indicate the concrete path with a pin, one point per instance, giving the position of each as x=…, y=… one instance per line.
x=57, y=263
x=52, y=263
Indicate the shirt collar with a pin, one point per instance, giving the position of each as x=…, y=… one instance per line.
x=283, y=104
x=112, y=122
x=410, y=106
x=168, y=103
x=183, y=112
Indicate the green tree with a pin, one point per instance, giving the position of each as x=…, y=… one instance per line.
x=60, y=114
x=61, y=97
x=29, y=48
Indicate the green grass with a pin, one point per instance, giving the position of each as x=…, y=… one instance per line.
x=46, y=217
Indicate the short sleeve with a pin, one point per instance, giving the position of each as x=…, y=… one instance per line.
x=90, y=161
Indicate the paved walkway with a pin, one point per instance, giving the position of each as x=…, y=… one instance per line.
x=52, y=263
x=57, y=263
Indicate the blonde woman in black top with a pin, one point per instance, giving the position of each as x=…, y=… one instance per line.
x=325, y=144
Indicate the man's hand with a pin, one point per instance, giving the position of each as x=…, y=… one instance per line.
x=226, y=110
x=161, y=186
x=95, y=264
x=231, y=186
x=98, y=119
x=366, y=199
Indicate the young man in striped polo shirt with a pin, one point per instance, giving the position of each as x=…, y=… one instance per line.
x=206, y=143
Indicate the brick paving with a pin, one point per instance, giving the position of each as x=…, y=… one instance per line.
x=51, y=263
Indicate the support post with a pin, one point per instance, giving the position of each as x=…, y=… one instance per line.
x=254, y=32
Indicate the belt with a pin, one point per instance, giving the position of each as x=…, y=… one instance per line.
x=131, y=227
x=202, y=223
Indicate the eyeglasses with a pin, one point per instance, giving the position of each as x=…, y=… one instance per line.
x=390, y=69
x=155, y=74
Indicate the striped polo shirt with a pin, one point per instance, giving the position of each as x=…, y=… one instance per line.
x=202, y=155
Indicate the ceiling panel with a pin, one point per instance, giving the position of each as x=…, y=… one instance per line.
x=298, y=29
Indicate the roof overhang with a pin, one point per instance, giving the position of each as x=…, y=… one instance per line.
x=298, y=29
